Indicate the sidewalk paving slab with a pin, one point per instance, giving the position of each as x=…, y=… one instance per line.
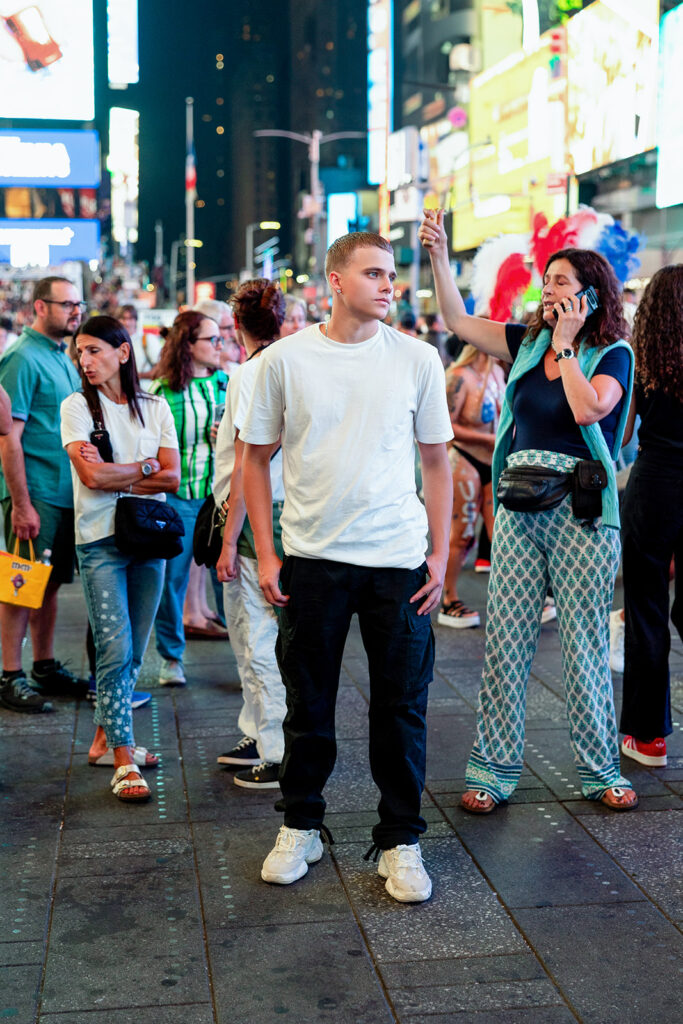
x=550, y=911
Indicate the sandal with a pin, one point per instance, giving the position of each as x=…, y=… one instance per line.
x=481, y=805
x=458, y=615
x=613, y=798
x=141, y=757
x=119, y=783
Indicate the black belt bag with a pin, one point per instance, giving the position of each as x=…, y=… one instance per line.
x=589, y=480
x=532, y=488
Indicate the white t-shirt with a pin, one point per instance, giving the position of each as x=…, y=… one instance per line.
x=237, y=400
x=130, y=441
x=349, y=416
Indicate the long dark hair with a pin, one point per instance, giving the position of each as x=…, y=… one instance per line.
x=658, y=332
x=259, y=306
x=175, y=364
x=109, y=330
x=607, y=324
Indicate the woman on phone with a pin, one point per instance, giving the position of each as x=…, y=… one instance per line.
x=565, y=404
x=652, y=514
x=190, y=379
x=121, y=592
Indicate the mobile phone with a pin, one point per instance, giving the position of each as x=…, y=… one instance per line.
x=592, y=300
x=218, y=414
x=30, y=31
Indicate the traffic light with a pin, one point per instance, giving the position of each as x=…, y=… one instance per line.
x=557, y=50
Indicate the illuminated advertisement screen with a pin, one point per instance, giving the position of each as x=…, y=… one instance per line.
x=43, y=243
x=123, y=163
x=517, y=148
x=342, y=207
x=122, y=42
x=44, y=159
x=380, y=86
x=670, y=111
x=612, y=68
x=46, y=61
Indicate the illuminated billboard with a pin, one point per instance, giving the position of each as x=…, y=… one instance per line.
x=46, y=56
x=123, y=163
x=380, y=86
x=44, y=159
x=516, y=154
x=612, y=68
x=670, y=111
x=122, y=43
x=43, y=243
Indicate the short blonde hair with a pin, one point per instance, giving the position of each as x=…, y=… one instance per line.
x=341, y=251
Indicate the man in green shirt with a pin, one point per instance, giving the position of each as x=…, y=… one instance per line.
x=36, y=490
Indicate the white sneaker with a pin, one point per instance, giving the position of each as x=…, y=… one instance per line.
x=294, y=850
x=407, y=880
x=171, y=673
x=617, y=631
x=549, y=613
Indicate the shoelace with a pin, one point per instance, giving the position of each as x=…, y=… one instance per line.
x=409, y=857
x=22, y=689
x=244, y=742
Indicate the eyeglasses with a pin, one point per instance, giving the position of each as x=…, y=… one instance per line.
x=68, y=307
x=215, y=340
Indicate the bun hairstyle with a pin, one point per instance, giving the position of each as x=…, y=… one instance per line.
x=259, y=307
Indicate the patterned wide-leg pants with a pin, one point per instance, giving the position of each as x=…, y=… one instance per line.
x=531, y=551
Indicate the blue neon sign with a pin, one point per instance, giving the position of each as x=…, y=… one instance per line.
x=49, y=159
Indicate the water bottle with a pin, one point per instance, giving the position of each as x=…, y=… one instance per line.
x=46, y=557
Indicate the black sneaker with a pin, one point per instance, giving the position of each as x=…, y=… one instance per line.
x=17, y=695
x=245, y=753
x=59, y=682
x=261, y=776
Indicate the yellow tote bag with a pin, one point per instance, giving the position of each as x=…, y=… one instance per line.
x=22, y=580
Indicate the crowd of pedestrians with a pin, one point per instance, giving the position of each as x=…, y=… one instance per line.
x=349, y=464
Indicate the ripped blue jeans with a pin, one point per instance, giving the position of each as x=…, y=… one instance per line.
x=122, y=595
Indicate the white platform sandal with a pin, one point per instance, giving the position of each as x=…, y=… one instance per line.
x=119, y=783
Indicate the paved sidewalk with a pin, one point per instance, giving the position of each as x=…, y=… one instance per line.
x=553, y=910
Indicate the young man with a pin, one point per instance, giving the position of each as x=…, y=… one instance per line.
x=349, y=399
x=36, y=490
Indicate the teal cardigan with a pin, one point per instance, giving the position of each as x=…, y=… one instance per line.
x=529, y=355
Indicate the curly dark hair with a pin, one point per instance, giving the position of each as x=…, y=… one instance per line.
x=259, y=307
x=175, y=364
x=658, y=332
x=607, y=324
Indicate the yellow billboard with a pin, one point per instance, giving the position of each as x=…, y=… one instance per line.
x=515, y=166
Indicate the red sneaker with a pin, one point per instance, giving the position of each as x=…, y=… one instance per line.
x=652, y=754
x=482, y=565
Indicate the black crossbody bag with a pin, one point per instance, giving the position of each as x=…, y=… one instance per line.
x=143, y=528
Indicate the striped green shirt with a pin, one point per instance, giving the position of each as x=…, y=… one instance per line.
x=194, y=412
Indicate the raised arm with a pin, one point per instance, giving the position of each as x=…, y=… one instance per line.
x=486, y=335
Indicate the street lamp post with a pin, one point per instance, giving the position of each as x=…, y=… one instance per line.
x=314, y=141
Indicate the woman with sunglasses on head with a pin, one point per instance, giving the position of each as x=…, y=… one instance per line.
x=562, y=421
x=121, y=591
x=190, y=379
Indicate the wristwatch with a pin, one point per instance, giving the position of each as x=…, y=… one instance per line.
x=146, y=469
x=565, y=353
